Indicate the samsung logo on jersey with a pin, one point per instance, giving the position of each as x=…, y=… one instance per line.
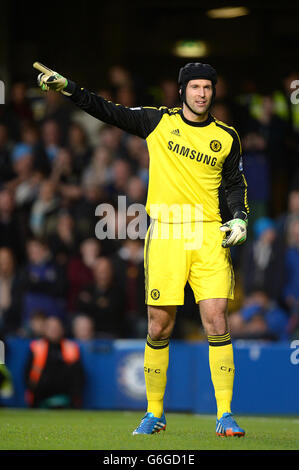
x=192, y=154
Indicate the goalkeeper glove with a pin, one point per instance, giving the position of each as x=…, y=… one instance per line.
x=237, y=228
x=50, y=80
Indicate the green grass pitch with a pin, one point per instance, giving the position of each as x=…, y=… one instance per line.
x=112, y=430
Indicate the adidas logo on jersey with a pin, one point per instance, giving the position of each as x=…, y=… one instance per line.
x=176, y=132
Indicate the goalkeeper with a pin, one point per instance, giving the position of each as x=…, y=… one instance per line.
x=191, y=154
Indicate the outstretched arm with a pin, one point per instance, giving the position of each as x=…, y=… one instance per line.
x=140, y=121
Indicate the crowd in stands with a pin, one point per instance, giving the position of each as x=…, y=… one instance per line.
x=57, y=164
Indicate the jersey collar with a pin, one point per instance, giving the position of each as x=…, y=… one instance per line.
x=197, y=124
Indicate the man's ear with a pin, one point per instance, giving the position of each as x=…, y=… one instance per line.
x=181, y=94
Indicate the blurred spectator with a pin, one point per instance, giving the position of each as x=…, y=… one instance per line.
x=30, y=134
x=110, y=137
x=125, y=96
x=244, y=102
x=10, y=294
x=6, y=170
x=129, y=269
x=62, y=240
x=222, y=112
x=143, y=165
x=292, y=211
x=47, y=150
x=260, y=318
x=43, y=282
x=287, y=109
x=18, y=110
x=136, y=191
x=90, y=125
x=222, y=90
x=19, y=101
x=36, y=325
x=12, y=230
x=103, y=300
x=134, y=146
x=225, y=107
x=273, y=130
x=169, y=93
x=96, y=172
x=121, y=172
x=257, y=174
x=45, y=205
x=26, y=191
x=137, y=154
x=65, y=177
x=27, y=180
x=54, y=374
x=119, y=77
x=83, y=328
x=79, y=147
x=22, y=160
x=111, y=227
x=63, y=169
x=291, y=287
x=80, y=269
x=59, y=110
x=83, y=210
x=25, y=183
x=262, y=263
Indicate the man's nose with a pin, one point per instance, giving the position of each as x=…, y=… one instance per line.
x=202, y=92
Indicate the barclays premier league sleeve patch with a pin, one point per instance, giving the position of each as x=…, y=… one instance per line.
x=241, y=164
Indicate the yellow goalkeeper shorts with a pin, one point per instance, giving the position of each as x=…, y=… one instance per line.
x=177, y=253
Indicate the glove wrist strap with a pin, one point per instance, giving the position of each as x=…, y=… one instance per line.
x=241, y=215
x=69, y=88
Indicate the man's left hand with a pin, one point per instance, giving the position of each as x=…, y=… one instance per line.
x=236, y=232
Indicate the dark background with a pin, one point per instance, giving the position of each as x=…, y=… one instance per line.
x=83, y=39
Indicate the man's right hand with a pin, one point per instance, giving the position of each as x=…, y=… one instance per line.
x=50, y=80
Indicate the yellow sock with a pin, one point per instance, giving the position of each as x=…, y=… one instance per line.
x=221, y=359
x=156, y=358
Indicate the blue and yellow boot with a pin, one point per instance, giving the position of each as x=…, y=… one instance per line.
x=227, y=426
x=150, y=424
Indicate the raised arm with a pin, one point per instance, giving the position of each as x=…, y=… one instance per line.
x=140, y=121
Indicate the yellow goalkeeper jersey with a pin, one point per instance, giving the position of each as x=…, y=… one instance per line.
x=186, y=167
x=189, y=161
